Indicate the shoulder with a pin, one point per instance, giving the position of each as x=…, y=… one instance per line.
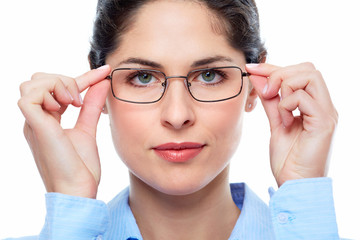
x=121, y=215
x=24, y=238
x=120, y=199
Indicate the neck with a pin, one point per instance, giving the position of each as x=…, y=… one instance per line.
x=209, y=213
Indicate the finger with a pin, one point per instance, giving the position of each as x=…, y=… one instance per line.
x=73, y=89
x=281, y=75
x=92, y=77
x=77, y=85
x=301, y=100
x=50, y=104
x=277, y=75
x=270, y=105
x=93, y=105
x=261, y=69
x=42, y=80
x=44, y=95
x=28, y=133
x=38, y=79
x=33, y=112
x=264, y=70
x=311, y=82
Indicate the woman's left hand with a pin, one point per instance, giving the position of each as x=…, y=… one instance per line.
x=299, y=145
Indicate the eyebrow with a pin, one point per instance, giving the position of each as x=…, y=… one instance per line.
x=197, y=63
x=210, y=60
x=141, y=62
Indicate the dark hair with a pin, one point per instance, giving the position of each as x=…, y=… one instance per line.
x=238, y=19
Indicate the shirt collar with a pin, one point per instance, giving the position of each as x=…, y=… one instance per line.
x=254, y=221
x=123, y=223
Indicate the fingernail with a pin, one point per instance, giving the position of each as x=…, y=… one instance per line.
x=81, y=100
x=265, y=89
x=69, y=94
x=103, y=67
x=252, y=65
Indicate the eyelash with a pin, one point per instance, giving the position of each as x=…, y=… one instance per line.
x=131, y=76
x=219, y=72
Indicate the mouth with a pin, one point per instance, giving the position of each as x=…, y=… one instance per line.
x=178, y=152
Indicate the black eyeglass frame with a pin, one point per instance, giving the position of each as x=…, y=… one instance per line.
x=165, y=84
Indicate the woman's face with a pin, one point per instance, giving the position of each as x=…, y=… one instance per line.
x=176, y=34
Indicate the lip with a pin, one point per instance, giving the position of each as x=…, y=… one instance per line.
x=178, y=152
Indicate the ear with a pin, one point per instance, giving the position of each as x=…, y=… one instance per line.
x=105, y=110
x=251, y=100
x=262, y=57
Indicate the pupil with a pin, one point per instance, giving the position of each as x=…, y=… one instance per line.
x=145, y=78
x=208, y=76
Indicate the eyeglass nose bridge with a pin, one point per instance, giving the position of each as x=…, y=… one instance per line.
x=187, y=84
x=168, y=77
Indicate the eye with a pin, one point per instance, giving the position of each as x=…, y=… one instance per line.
x=144, y=78
x=208, y=76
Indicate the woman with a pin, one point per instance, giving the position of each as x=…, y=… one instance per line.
x=175, y=79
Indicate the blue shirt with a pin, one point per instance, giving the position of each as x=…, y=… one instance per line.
x=299, y=209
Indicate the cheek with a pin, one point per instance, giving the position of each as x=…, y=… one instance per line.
x=225, y=120
x=224, y=123
x=130, y=127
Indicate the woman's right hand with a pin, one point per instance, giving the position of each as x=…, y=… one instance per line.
x=67, y=159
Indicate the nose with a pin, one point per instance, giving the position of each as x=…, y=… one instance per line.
x=177, y=105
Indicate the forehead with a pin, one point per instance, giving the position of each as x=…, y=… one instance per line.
x=175, y=32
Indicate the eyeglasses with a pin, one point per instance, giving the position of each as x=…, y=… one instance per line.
x=143, y=86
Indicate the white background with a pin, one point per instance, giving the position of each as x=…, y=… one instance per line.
x=53, y=36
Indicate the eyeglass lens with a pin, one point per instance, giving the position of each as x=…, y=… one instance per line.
x=146, y=86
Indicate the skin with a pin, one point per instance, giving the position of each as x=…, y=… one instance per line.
x=193, y=198
x=177, y=117
x=299, y=145
x=190, y=189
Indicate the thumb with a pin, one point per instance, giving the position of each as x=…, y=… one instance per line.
x=92, y=107
x=92, y=77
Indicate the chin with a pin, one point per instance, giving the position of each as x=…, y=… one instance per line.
x=178, y=179
x=180, y=189
x=181, y=185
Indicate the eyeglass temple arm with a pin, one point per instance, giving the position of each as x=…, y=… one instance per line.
x=244, y=74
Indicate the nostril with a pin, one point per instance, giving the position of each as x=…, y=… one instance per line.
x=187, y=123
x=177, y=121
